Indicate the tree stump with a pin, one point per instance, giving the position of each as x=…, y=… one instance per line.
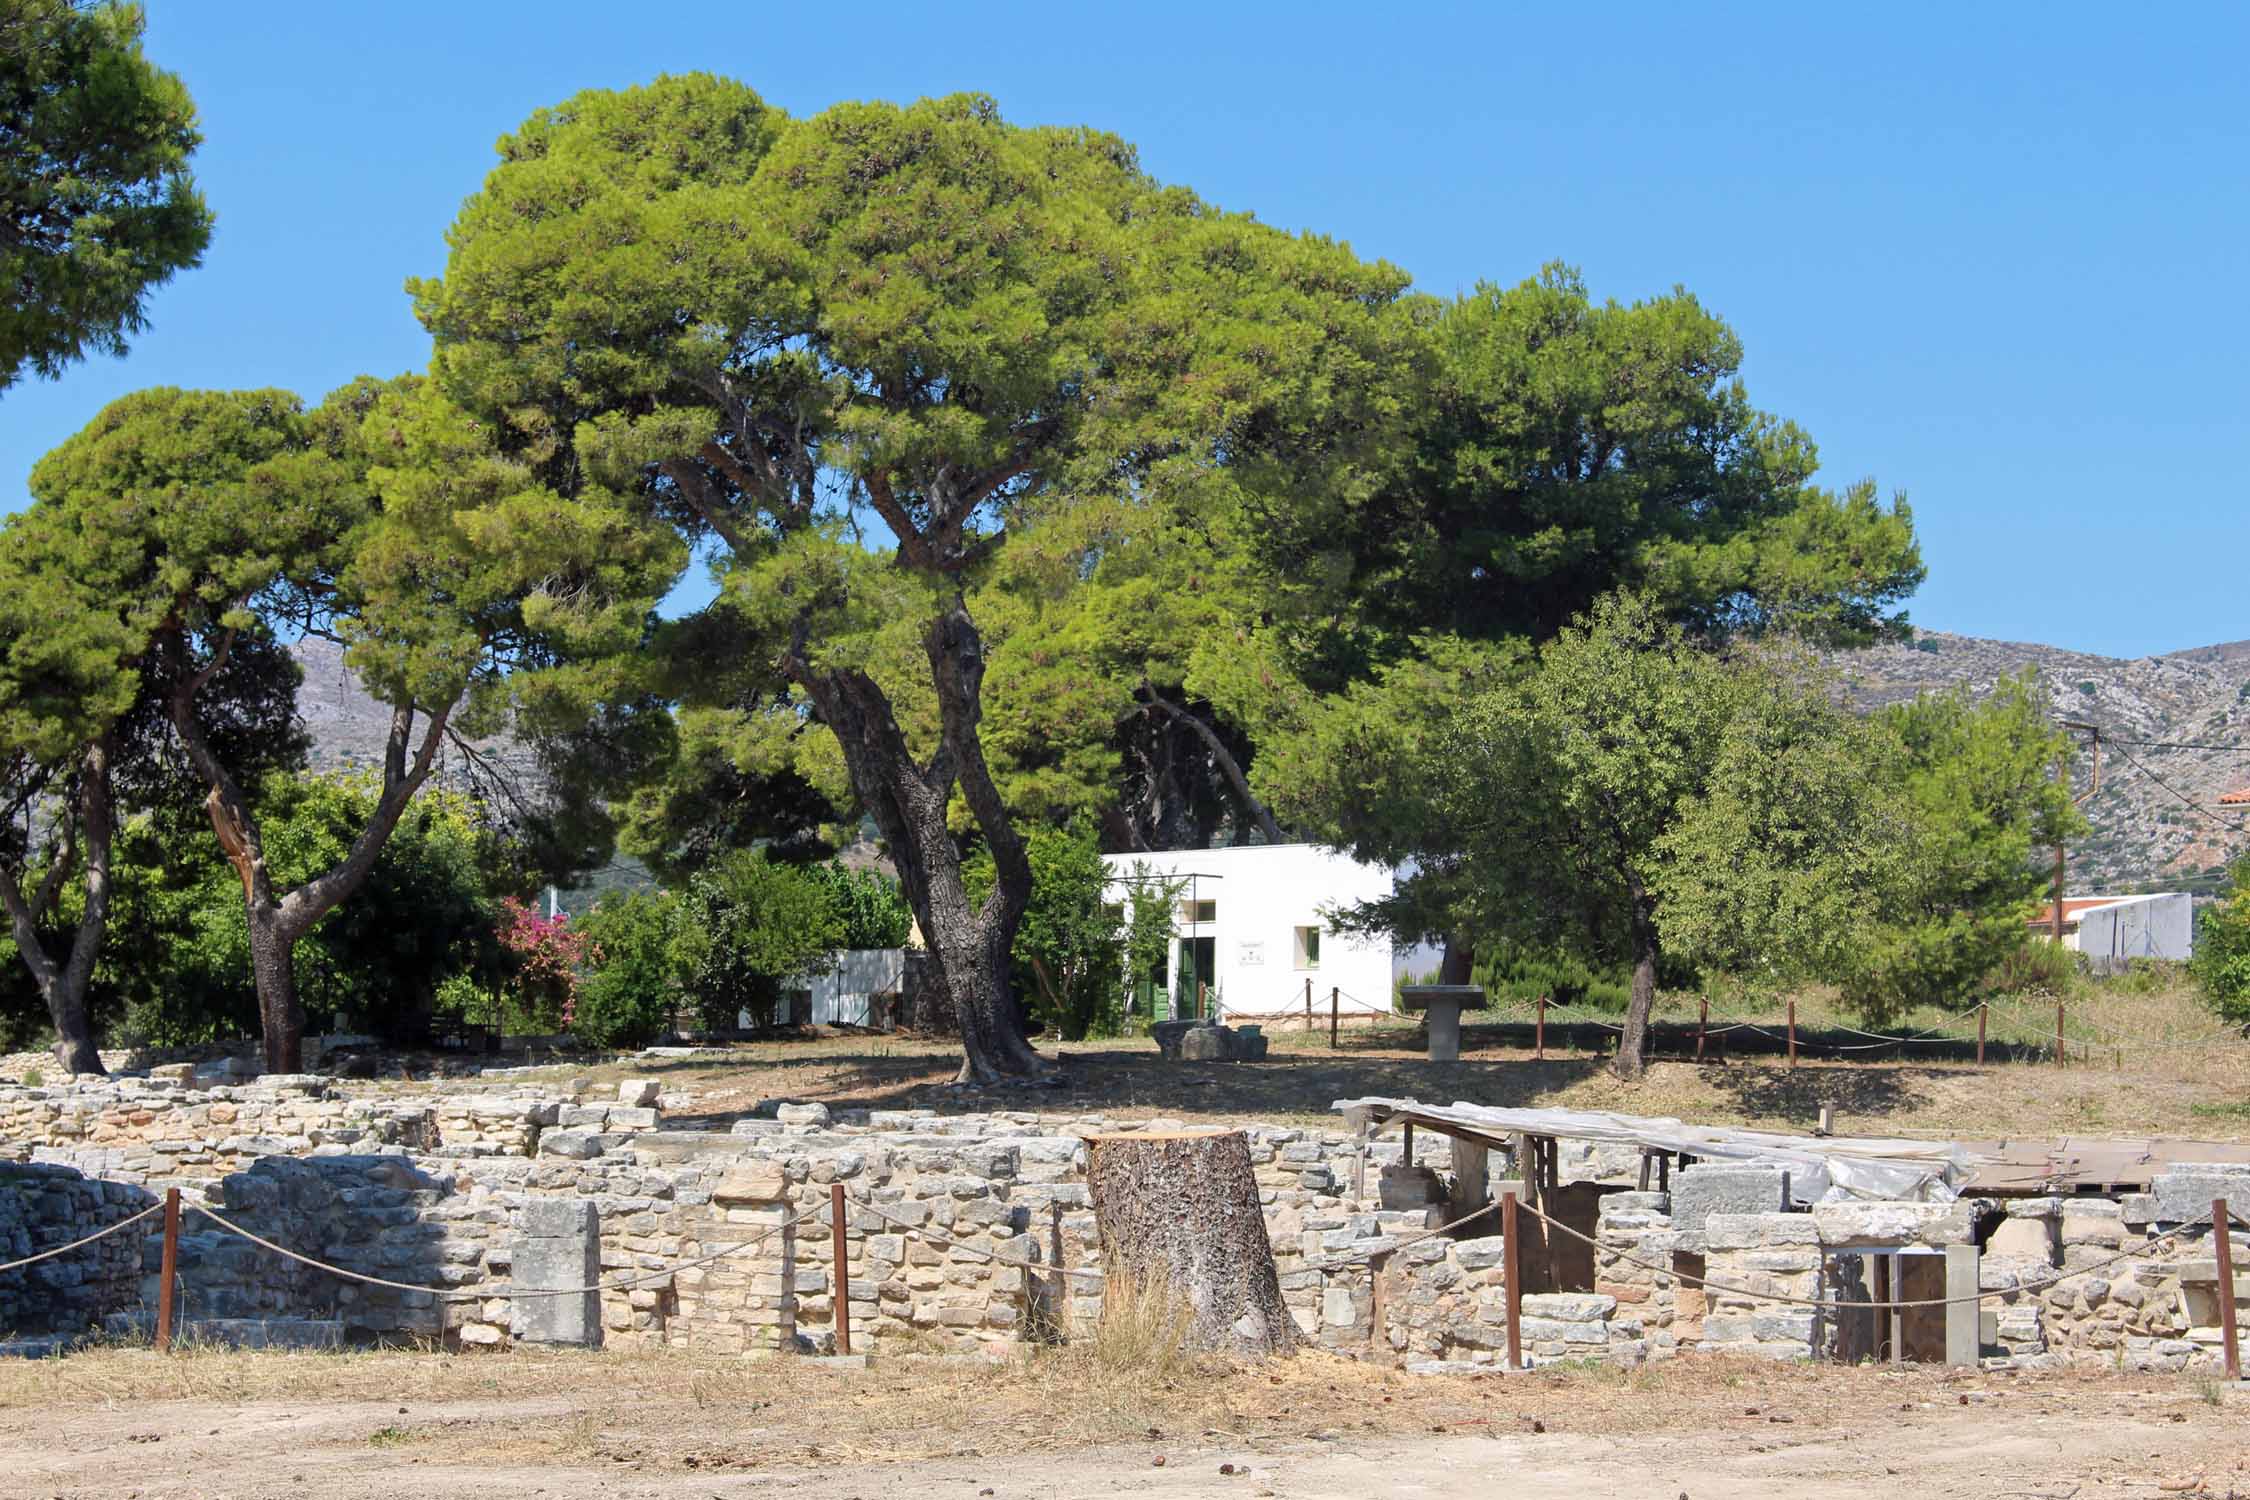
x=1180, y=1209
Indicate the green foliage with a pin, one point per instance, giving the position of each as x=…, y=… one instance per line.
x=1633, y=795
x=1981, y=800
x=178, y=963
x=1511, y=975
x=747, y=927
x=1071, y=949
x=631, y=991
x=96, y=204
x=2221, y=965
x=868, y=903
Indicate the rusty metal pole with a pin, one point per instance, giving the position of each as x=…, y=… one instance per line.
x=170, y=1271
x=1335, y=1012
x=1377, y=1332
x=843, y=1269
x=1702, y=1026
x=1539, y=1033
x=1792, y=1031
x=2221, y=1243
x=1983, y=1010
x=1308, y=1002
x=1511, y=1259
x=2058, y=1033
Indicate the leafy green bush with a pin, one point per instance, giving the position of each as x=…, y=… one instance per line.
x=868, y=903
x=746, y=927
x=2221, y=965
x=1514, y=976
x=631, y=990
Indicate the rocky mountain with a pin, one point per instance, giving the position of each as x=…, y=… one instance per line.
x=2156, y=820
x=350, y=728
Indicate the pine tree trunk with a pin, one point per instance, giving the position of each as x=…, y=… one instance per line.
x=1459, y=964
x=63, y=987
x=1180, y=1210
x=968, y=943
x=281, y=1020
x=1632, y=1046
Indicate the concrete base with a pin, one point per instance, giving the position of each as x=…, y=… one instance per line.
x=1445, y=1031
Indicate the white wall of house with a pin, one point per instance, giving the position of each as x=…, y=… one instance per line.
x=2160, y=925
x=1258, y=904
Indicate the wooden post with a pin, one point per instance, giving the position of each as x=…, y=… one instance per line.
x=1983, y=1010
x=1702, y=1026
x=1335, y=1010
x=1408, y=1148
x=1202, y=1001
x=843, y=1297
x=2058, y=1033
x=1792, y=1031
x=1308, y=1002
x=1511, y=1259
x=170, y=1271
x=1377, y=1265
x=1359, y=1167
x=1539, y=1033
x=2223, y=1245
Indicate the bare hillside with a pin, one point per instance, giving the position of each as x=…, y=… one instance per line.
x=2143, y=834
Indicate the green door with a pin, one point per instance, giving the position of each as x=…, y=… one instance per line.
x=1191, y=999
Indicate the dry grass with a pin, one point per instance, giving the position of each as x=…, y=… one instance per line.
x=2155, y=1063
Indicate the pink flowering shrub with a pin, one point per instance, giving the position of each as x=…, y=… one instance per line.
x=547, y=955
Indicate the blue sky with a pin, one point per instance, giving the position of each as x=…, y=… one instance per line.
x=1992, y=256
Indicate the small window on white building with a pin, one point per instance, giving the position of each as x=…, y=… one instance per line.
x=1199, y=911
x=1308, y=947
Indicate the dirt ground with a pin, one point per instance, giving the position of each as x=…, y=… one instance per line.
x=122, y=1424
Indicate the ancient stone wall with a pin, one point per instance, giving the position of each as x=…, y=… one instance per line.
x=956, y=1226
x=42, y=1207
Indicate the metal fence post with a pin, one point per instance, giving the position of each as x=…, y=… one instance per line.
x=1511, y=1261
x=843, y=1297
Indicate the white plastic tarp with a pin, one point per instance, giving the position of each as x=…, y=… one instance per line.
x=1822, y=1168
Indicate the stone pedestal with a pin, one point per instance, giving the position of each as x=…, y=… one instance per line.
x=1443, y=1004
x=560, y=1247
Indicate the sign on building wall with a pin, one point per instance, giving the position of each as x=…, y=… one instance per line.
x=1250, y=955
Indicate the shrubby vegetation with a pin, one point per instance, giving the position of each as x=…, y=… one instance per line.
x=2222, y=950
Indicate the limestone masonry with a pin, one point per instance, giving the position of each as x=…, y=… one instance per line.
x=957, y=1225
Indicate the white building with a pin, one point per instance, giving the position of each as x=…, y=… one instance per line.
x=2112, y=929
x=1251, y=930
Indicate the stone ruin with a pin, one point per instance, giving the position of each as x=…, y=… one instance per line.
x=959, y=1229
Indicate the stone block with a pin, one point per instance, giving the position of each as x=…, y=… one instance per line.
x=1708, y=1188
x=2023, y=1239
x=1758, y=1231
x=763, y=1182
x=801, y=1114
x=574, y=1145
x=638, y=1093
x=557, y=1218
x=1569, y=1307
x=2183, y=1194
x=1880, y=1224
